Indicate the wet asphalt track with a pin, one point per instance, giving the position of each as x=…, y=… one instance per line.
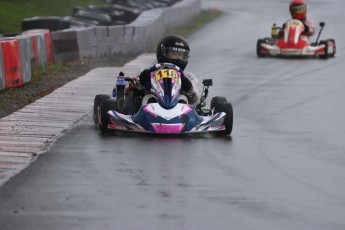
x=282, y=168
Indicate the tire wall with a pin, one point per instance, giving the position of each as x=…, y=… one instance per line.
x=40, y=47
x=132, y=39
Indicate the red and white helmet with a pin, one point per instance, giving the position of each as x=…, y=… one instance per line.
x=298, y=9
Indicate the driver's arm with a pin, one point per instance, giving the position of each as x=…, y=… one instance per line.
x=186, y=84
x=309, y=27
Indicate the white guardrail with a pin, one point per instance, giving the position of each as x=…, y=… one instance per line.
x=41, y=47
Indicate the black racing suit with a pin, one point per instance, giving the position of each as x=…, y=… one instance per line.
x=186, y=85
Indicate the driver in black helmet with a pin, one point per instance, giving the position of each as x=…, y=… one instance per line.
x=174, y=49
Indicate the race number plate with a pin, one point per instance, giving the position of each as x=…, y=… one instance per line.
x=166, y=73
x=294, y=23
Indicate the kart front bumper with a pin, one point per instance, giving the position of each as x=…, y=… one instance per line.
x=308, y=51
x=152, y=118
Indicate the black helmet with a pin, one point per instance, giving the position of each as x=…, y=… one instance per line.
x=173, y=49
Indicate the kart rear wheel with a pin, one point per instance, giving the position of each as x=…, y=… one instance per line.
x=102, y=110
x=259, y=48
x=97, y=102
x=131, y=103
x=120, y=99
x=324, y=56
x=226, y=107
x=334, y=47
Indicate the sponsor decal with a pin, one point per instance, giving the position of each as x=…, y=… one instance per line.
x=179, y=49
x=291, y=52
x=115, y=124
x=179, y=44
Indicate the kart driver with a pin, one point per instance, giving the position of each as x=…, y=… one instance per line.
x=174, y=49
x=298, y=10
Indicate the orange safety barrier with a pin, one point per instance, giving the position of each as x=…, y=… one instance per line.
x=38, y=55
x=13, y=71
x=42, y=46
x=25, y=45
x=34, y=58
x=49, y=47
x=2, y=73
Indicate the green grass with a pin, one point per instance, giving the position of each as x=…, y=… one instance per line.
x=12, y=12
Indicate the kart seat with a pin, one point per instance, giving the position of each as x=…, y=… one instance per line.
x=148, y=98
x=182, y=99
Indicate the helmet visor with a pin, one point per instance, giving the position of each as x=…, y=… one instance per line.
x=298, y=9
x=174, y=53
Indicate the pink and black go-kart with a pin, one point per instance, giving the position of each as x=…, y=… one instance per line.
x=164, y=110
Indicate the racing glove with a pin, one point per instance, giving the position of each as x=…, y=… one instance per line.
x=192, y=96
x=144, y=77
x=306, y=28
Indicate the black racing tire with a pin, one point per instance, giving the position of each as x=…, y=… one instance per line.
x=334, y=47
x=103, y=18
x=226, y=107
x=324, y=56
x=81, y=22
x=103, y=119
x=53, y=23
x=258, y=48
x=132, y=105
x=217, y=100
x=97, y=102
x=120, y=99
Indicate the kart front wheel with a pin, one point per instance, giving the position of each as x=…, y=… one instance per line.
x=217, y=100
x=102, y=111
x=259, y=48
x=226, y=107
x=97, y=102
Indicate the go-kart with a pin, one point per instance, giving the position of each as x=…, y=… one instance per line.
x=289, y=42
x=164, y=110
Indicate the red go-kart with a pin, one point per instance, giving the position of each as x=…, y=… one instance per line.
x=291, y=43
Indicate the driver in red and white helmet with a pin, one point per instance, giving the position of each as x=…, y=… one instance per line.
x=298, y=10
